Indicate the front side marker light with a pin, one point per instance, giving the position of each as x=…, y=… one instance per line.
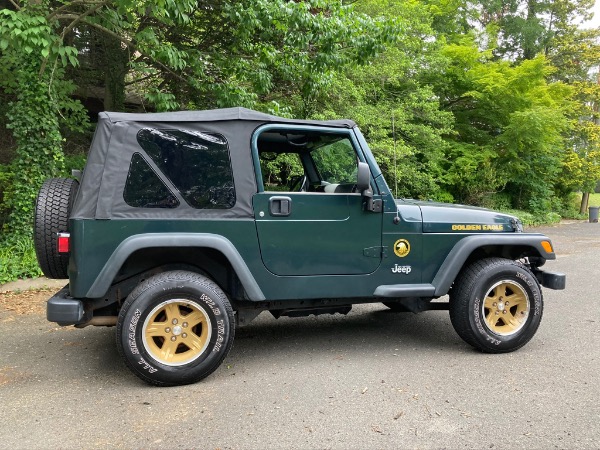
x=63, y=242
x=547, y=245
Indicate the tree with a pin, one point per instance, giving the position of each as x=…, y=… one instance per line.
x=581, y=168
x=179, y=53
x=522, y=29
x=32, y=63
x=185, y=54
x=511, y=33
x=395, y=107
x=510, y=123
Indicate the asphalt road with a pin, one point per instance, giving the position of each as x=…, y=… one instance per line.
x=372, y=379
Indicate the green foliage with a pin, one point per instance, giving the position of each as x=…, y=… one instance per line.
x=5, y=177
x=522, y=29
x=73, y=162
x=182, y=54
x=28, y=32
x=394, y=104
x=534, y=220
x=280, y=171
x=563, y=112
x=510, y=124
x=580, y=170
x=32, y=65
x=18, y=260
x=39, y=154
x=289, y=52
x=336, y=163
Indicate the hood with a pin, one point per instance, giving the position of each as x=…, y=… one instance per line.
x=448, y=218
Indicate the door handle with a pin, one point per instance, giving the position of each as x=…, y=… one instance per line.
x=280, y=206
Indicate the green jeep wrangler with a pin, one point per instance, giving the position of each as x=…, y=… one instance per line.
x=178, y=231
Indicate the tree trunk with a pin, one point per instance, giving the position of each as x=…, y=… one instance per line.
x=529, y=45
x=115, y=66
x=585, y=198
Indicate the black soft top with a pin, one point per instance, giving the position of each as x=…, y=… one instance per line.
x=115, y=142
x=217, y=115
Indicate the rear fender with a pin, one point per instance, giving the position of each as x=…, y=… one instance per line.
x=152, y=240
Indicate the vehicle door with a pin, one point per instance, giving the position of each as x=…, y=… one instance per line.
x=310, y=219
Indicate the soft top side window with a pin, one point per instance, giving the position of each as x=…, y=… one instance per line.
x=198, y=164
x=144, y=189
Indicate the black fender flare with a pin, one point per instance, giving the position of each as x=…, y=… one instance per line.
x=151, y=240
x=457, y=257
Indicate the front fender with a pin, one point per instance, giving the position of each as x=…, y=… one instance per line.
x=153, y=240
x=454, y=262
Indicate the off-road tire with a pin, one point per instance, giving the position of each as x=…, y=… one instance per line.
x=155, y=339
x=496, y=305
x=52, y=210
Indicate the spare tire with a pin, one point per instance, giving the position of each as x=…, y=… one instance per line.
x=52, y=210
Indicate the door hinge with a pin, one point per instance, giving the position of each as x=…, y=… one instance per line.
x=369, y=204
x=375, y=252
x=375, y=205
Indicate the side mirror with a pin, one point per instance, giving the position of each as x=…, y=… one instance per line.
x=363, y=185
x=363, y=181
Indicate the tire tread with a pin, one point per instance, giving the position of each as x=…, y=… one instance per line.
x=52, y=211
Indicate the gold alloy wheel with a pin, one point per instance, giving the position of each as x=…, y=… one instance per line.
x=176, y=332
x=506, y=308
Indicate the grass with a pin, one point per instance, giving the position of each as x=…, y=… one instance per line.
x=549, y=218
x=594, y=199
x=18, y=260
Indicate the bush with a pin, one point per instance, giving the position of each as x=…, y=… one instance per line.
x=74, y=162
x=534, y=220
x=18, y=260
x=17, y=253
x=497, y=201
x=4, y=180
x=444, y=197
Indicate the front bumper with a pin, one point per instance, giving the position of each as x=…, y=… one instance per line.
x=551, y=280
x=65, y=310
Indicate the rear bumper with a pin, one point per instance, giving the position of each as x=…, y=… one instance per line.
x=65, y=310
x=551, y=280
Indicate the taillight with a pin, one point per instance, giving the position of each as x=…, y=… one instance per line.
x=63, y=242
